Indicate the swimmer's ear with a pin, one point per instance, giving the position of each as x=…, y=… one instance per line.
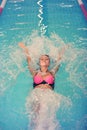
x=22, y=45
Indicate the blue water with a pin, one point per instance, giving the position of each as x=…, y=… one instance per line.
x=18, y=21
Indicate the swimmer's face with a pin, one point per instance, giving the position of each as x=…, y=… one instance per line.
x=44, y=60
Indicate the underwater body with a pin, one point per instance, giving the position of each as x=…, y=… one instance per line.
x=60, y=23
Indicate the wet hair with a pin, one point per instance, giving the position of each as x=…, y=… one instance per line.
x=46, y=55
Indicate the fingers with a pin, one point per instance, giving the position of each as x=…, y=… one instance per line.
x=22, y=45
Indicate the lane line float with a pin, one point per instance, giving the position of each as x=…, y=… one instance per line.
x=2, y=5
x=82, y=6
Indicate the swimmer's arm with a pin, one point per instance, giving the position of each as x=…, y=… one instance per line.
x=57, y=65
x=33, y=72
x=59, y=59
x=55, y=68
x=25, y=49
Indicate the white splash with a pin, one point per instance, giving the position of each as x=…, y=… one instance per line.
x=42, y=105
x=13, y=59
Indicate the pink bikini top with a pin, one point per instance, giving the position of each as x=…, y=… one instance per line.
x=39, y=80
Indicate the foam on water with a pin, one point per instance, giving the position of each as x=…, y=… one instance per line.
x=42, y=106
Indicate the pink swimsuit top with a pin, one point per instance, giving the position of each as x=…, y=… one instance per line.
x=39, y=80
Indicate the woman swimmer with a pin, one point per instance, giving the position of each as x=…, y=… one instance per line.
x=43, y=78
x=43, y=100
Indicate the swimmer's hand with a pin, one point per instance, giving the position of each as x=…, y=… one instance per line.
x=22, y=45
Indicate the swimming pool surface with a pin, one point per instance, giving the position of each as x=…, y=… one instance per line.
x=18, y=21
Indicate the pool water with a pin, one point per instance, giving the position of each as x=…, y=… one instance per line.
x=19, y=21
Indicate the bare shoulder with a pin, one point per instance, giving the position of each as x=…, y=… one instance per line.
x=34, y=72
x=51, y=73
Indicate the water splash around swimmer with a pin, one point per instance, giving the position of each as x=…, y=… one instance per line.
x=42, y=106
x=16, y=62
x=13, y=61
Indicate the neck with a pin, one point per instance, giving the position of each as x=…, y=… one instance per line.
x=44, y=69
